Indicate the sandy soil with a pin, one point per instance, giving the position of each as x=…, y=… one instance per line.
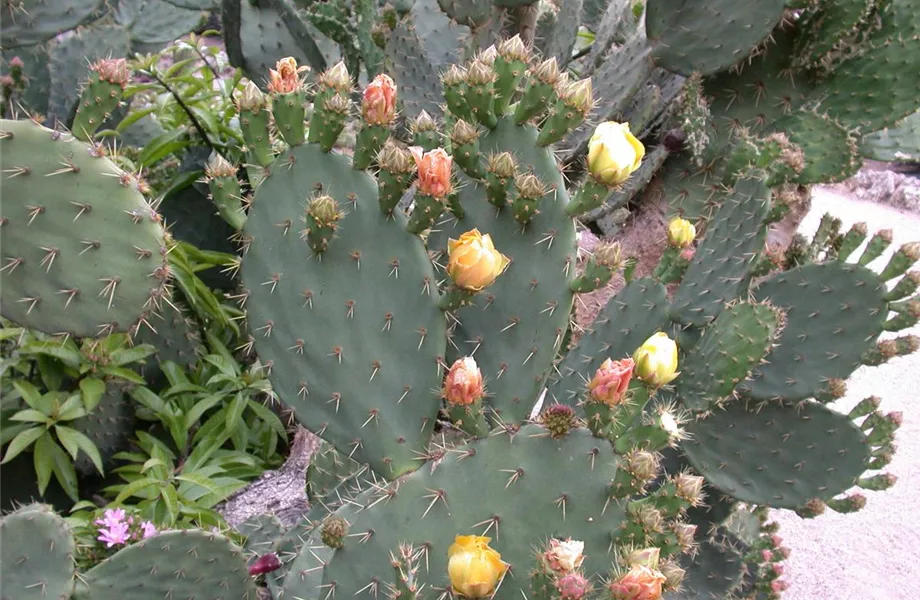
x=869, y=555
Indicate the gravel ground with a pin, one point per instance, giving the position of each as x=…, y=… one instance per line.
x=868, y=555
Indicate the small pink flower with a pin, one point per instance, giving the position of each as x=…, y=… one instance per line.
x=115, y=534
x=148, y=529
x=766, y=555
x=112, y=517
x=611, y=380
x=778, y=569
x=777, y=541
x=779, y=586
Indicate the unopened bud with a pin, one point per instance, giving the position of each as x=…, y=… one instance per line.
x=513, y=49
x=378, y=106
x=642, y=465
x=913, y=308
x=673, y=575
x=861, y=228
x=573, y=586
x=334, y=531
x=650, y=518
x=610, y=255
x=837, y=388
x=888, y=348
x=218, y=166
x=423, y=122
x=338, y=104
x=547, y=71
x=113, y=70
x=778, y=585
x=464, y=133
x=777, y=569
x=685, y=534
x=885, y=234
x=558, y=419
x=911, y=250
x=646, y=557
x=579, y=95
x=813, y=508
x=16, y=62
x=455, y=75
x=394, y=158
x=251, y=98
x=488, y=55
x=463, y=384
x=529, y=186
x=336, y=78
x=325, y=210
x=480, y=73
x=689, y=488
x=766, y=556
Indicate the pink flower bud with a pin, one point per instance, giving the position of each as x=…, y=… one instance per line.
x=611, y=381
x=766, y=555
x=434, y=171
x=463, y=384
x=640, y=583
x=564, y=556
x=379, y=104
x=778, y=569
x=572, y=586
x=779, y=586
x=776, y=540
x=265, y=564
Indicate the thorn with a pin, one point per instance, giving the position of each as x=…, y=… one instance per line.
x=109, y=289
x=90, y=245
x=34, y=211
x=33, y=301
x=84, y=208
x=72, y=293
x=11, y=264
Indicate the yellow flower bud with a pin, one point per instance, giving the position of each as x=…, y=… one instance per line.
x=474, y=568
x=474, y=263
x=614, y=153
x=681, y=232
x=656, y=360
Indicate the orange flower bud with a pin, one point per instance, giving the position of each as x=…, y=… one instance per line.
x=379, y=105
x=640, y=583
x=285, y=77
x=611, y=380
x=434, y=171
x=463, y=384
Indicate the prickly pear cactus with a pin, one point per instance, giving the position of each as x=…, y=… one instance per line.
x=36, y=560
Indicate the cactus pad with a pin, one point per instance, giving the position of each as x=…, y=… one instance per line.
x=367, y=340
x=429, y=508
x=638, y=311
x=831, y=152
x=834, y=314
x=780, y=455
x=33, y=21
x=516, y=326
x=900, y=142
x=725, y=257
x=710, y=36
x=738, y=340
x=36, y=557
x=715, y=571
x=171, y=564
x=83, y=252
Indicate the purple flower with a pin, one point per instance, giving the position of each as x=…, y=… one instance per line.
x=112, y=517
x=117, y=533
x=148, y=529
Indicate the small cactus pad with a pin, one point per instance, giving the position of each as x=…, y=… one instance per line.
x=834, y=314
x=830, y=151
x=82, y=250
x=900, y=142
x=429, y=508
x=173, y=564
x=780, y=455
x=36, y=557
x=724, y=258
x=738, y=340
x=638, y=311
x=360, y=338
x=28, y=22
x=516, y=325
x=262, y=533
x=709, y=36
x=715, y=571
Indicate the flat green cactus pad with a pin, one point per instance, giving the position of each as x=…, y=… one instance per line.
x=780, y=455
x=518, y=489
x=82, y=250
x=30, y=22
x=36, y=557
x=361, y=354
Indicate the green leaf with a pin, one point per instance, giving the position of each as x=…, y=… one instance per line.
x=202, y=406
x=75, y=441
x=92, y=390
x=30, y=394
x=8, y=333
x=43, y=460
x=134, y=487
x=153, y=462
x=9, y=432
x=199, y=480
x=235, y=412
x=133, y=117
x=52, y=371
x=126, y=374
x=171, y=501
x=218, y=347
x=64, y=472
x=150, y=400
x=72, y=408
x=226, y=366
x=68, y=355
x=22, y=441
x=68, y=442
x=30, y=416
x=270, y=418
x=132, y=355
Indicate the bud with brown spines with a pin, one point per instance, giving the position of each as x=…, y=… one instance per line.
x=865, y=407
x=540, y=92
x=500, y=170
x=877, y=483
x=455, y=91
x=570, y=110
x=225, y=191
x=834, y=389
x=599, y=269
x=425, y=132
x=906, y=286
x=287, y=89
x=573, y=586
x=876, y=246
x=903, y=259
x=907, y=314
x=881, y=457
x=559, y=420
x=255, y=124
x=530, y=190
x=813, y=508
x=851, y=503
x=396, y=169
x=510, y=67
x=852, y=239
x=673, y=575
x=335, y=529
x=330, y=110
x=101, y=95
x=885, y=350
x=322, y=216
x=685, y=534
x=487, y=56
x=465, y=149
x=480, y=92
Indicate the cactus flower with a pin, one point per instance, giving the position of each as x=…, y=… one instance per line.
x=564, y=556
x=656, y=360
x=113, y=70
x=474, y=263
x=463, y=384
x=639, y=583
x=285, y=77
x=474, y=568
x=614, y=153
x=611, y=380
x=379, y=104
x=434, y=171
x=573, y=586
x=681, y=232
